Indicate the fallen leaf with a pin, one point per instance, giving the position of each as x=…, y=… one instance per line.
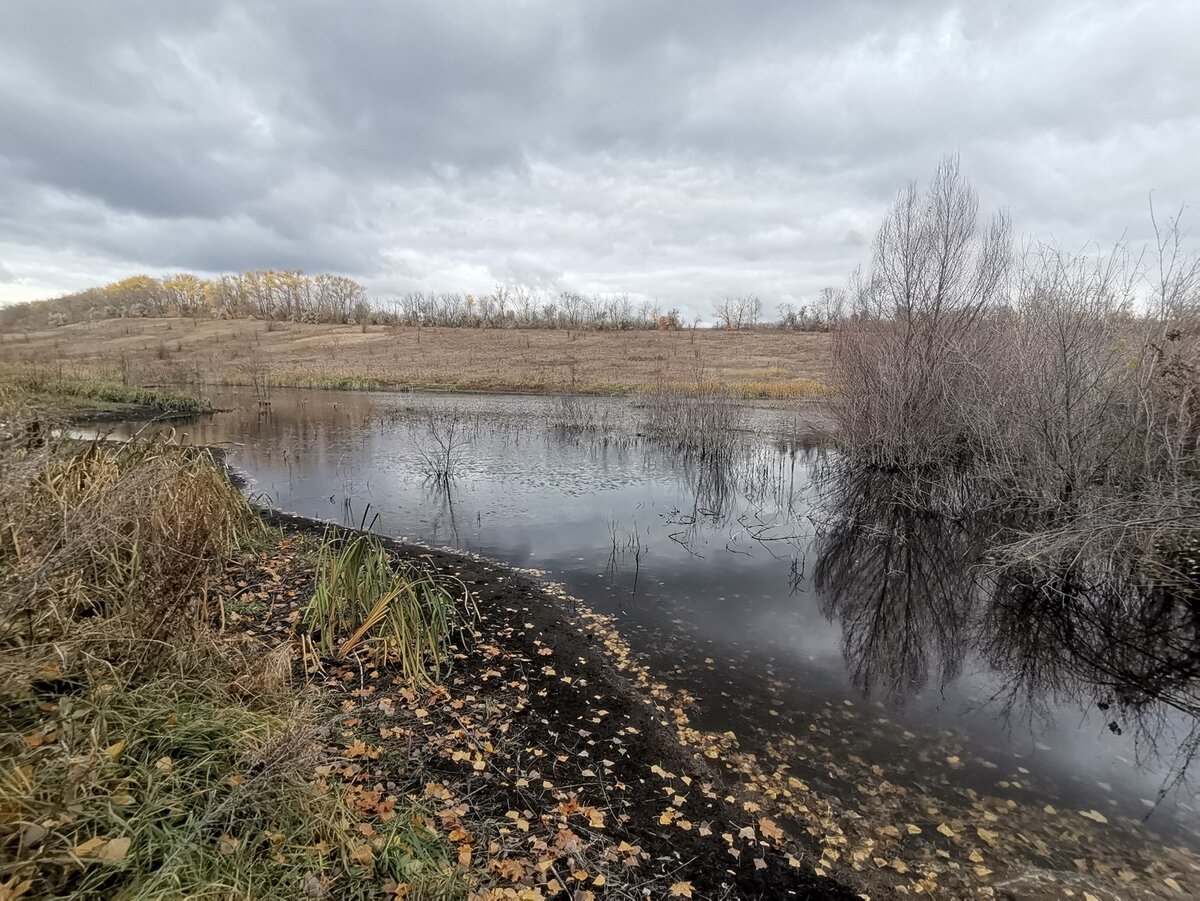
x=681, y=890
x=770, y=829
x=85, y=849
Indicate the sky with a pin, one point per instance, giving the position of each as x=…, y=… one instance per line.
x=677, y=151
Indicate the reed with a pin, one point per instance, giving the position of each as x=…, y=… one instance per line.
x=395, y=610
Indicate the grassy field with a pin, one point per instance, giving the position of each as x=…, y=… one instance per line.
x=183, y=351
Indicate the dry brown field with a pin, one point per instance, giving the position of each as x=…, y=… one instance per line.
x=759, y=363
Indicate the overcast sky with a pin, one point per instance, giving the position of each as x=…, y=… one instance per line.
x=676, y=150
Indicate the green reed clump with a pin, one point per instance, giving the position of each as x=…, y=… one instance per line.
x=401, y=611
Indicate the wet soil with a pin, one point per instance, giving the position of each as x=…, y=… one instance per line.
x=553, y=760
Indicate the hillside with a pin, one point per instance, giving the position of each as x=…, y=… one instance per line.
x=176, y=350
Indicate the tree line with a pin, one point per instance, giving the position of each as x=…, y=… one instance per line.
x=291, y=295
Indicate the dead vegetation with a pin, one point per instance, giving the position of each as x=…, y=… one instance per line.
x=758, y=363
x=1063, y=385
x=142, y=753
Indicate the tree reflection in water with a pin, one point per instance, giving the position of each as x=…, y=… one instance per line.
x=903, y=566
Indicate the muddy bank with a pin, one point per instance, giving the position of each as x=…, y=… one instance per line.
x=548, y=751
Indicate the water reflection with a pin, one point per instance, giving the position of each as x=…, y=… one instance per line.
x=917, y=596
x=898, y=578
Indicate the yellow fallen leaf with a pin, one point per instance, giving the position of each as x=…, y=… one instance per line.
x=85, y=849
x=981, y=872
x=945, y=830
x=1172, y=884
x=116, y=849
x=913, y=829
x=681, y=890
x=114, y=750
x=769, y=829
x=1094, y=815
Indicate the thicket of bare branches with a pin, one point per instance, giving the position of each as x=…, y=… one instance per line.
x=1066, y=384
x=906, y=357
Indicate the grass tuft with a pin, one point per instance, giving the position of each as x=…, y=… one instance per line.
x=398, y=610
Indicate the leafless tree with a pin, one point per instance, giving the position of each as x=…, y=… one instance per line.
x=905, y=355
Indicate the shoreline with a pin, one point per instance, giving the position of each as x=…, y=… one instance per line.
x=619, y=738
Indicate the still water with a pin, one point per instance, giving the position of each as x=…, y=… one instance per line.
x=786, y=606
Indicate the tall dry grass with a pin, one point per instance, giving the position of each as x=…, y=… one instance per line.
x=109, y=549
x=143, y=755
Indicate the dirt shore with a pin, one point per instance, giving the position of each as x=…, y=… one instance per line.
x=552, y=759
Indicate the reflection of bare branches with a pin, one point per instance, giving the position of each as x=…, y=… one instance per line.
x=796, y=573
x=446, y=513
x=915, y=592
x=898, y=581
x=1104, y=637
x=625, y=545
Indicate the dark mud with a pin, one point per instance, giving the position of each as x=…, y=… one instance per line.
x=545, y=716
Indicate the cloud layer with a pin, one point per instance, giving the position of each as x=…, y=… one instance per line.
x=679, y=152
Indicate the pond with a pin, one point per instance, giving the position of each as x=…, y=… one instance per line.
x=851, y=643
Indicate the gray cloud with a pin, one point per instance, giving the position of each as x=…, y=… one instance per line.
x=672, y=152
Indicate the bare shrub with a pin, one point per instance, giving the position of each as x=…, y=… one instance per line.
x=1069, y=392
x=704, y=417
x=441, y=437
x=907, y=353
x=574, y=413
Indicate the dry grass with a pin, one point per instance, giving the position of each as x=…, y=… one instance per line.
x=142, y=754
x=180, y=351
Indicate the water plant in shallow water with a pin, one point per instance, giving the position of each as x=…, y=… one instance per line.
x=401, y=611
